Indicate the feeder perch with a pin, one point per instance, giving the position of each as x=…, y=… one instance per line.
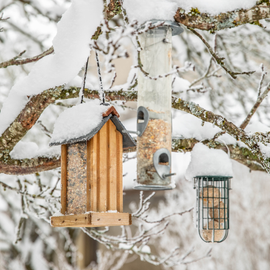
x=212, y=207
x=154, y=108
x=91, y=176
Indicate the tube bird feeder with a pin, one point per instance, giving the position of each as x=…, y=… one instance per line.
x=212, y=207
x=154, y=127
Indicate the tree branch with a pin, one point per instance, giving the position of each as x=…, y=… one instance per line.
x=15, y=62
x=231, y=19
x=28, y=166
x=239, y=134
x=237, y=153
x=255, y=107
x=241, y=154
x=37, y=104
x=253, y=158
x=219, y=60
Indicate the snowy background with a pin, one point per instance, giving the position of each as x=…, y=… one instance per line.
x=35, y=197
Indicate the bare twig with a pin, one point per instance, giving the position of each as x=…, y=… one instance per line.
x=219, y=60
x=44, y=129
x=261, y=80
x=166, y=217
x=207, y=74
x=208, y=254
x=188, y=66
x=22, y=31
x=15, y=62
x=255, y=107
x=113, y=80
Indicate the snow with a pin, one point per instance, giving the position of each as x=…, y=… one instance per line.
x=205, y=161
x=29, y=150
x=180, y=85
x=189, y=126
x=71, y=49
x=38, y=260
x=57, y=214
x=143, y=11
x=125, y=246
x=78, y=121
x=254, y=127
x=145, y=249
x=24, y=150
x=265, y=149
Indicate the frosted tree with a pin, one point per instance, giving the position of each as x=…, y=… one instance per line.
x=220, y=87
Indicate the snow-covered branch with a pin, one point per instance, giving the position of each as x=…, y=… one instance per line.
x=195, y=19
x=252, y=157
x=203, y=21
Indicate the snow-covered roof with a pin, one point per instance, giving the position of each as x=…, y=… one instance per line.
x=82, y=122
x=205, y=161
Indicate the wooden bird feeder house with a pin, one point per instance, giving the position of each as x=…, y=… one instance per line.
x=91, y=175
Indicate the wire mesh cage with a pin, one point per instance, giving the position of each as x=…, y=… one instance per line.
x=212, y=207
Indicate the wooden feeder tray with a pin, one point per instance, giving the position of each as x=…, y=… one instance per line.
x=92, y=220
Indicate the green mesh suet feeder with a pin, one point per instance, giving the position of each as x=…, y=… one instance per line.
x=212, y=207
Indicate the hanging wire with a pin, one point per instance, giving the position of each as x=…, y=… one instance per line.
x=81, y=94
x=101, y=91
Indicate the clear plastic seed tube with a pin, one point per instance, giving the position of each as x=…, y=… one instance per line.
x=155, y=95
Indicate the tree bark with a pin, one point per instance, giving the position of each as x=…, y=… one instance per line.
x=37, y=104
x=231, y=19
x=27, y=166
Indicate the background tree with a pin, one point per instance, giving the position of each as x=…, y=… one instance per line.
x=220, y=95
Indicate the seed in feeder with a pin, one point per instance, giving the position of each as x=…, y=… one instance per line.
x=210, y=196
x=156, y=135
x=217, y=213
x=213, y=235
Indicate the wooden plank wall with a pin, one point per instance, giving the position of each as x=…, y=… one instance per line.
x=104, y=170
x=63, y=178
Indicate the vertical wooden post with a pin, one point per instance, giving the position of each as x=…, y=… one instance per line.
x=112, y=169
x=63, y=178
x=103, y=168
x=119, y=157
x=92, y=174
x=88, y=175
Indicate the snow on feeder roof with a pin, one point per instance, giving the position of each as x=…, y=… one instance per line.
x=205, y=161
x=82, y=122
